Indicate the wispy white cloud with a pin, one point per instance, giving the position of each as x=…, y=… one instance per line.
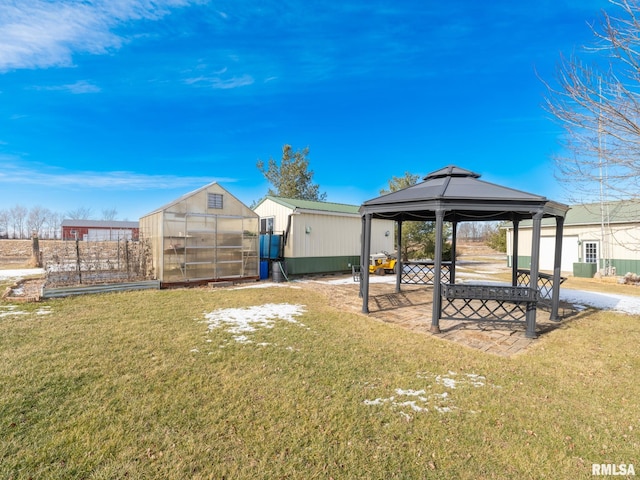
x=220, y=83
x=116, y=180
x=79, y=87
x=41, y=33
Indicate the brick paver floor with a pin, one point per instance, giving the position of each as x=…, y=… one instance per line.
x=411, y=309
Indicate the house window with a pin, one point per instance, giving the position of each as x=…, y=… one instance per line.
x=590, y=252
x=214, y=200
x=266, y=225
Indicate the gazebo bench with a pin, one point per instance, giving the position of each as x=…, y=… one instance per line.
x=486, y=302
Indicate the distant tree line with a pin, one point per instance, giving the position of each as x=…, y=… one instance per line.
x=479, y=231
x=20, y=222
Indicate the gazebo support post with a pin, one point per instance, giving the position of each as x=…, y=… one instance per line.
x=364, y=268
x=437, y=301
x=454, y=246
x=557, y=267
x=399, y=257
x=533, y=276
x=514, y=255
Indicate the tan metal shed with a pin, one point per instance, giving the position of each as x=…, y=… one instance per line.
x=320, y=237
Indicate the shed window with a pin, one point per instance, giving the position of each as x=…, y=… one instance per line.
x=266, y=225
x=214, y=200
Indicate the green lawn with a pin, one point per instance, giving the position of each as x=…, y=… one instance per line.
x=139, y=385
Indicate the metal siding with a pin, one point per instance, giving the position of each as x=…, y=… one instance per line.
x=309, y=265
x=330, y=235
x=280, y=213
x=335, y=236
x=325, y=236
x=626, y=266
x=380, y=241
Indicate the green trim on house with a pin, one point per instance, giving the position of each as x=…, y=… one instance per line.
x=524, y=261
x=307, y=265
x=625, y=266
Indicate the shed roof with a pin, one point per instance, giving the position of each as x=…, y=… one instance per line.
x=99, y=223
x=462, y=196
x=310, y=205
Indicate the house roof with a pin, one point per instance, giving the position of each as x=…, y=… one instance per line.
x=618, y=212
x=462, y=196
x=313, y=206
x=623, y=211
x=99, y=223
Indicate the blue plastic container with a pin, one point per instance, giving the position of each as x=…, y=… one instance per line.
x=264, y=269
x=270, y=246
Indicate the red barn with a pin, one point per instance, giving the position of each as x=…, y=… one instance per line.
x=99, y=230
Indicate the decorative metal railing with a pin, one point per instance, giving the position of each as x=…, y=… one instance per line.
x=545, y=283
x=495, y=303
x=423, y=273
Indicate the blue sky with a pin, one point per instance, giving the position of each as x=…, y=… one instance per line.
x=126, y=105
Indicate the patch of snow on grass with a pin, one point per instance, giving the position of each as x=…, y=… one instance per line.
x=242, y=321
x=16, y=274
x=9, y=310
x=415, y=393
x=421, y=402
x=13, y=310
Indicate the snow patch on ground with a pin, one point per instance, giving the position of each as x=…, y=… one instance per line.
x=15, y=310
x=603, y=301
x=408, y=402
x=242, y=322
x=17, y=274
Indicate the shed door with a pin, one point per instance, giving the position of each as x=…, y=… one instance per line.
x=570, y=253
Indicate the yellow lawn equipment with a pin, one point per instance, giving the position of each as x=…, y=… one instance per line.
x=382, y=263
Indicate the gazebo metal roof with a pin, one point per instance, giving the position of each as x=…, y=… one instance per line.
x=453, y=194
x=463, y=197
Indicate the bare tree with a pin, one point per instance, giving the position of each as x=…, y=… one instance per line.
x=54, y=223
x=4, y=223
x=598, y=104
x=18, y=217
x=37, y=219
x=109, y=214
x=80, y=213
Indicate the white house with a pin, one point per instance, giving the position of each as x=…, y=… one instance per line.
x=597, y=237
x=320, y=236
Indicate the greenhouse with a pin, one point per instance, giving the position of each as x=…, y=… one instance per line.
x=204, y=236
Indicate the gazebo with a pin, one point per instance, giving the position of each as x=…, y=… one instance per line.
x=455, y=195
